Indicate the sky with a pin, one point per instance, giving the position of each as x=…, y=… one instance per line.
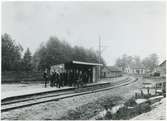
x=132, y=28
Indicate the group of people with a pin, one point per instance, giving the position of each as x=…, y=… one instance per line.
x=69, y=77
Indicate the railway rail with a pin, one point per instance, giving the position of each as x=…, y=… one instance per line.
x=16, y=102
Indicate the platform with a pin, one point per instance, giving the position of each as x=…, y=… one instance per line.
x=29, y=91
x=13, y=90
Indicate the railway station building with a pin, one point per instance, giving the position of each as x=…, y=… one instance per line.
x=91, y=68
x=111, y=72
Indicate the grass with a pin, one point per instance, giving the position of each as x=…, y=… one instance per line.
x=89, y=110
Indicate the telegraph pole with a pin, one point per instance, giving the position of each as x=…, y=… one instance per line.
x=99, y=54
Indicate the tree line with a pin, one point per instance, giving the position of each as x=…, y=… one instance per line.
x=12, y=59
x=149, y=63
x=53, y=52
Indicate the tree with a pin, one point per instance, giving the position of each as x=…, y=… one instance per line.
x=119, y=62
x=39, y=59
x=137, y=61
x=124, y=61
x=27, y=61
x=151, y=61
x=154, y=60
x=11, y=54
x=58, y=52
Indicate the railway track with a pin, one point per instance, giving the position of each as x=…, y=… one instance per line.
x=33, y=99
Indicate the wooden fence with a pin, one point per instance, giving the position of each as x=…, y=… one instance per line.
x=12, y=76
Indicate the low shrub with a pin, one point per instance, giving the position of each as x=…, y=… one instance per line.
x=126, y=113
x=131, y=102
x=121, y=113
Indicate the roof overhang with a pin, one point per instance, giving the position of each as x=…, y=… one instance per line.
x=86, y=63
x=162, y=63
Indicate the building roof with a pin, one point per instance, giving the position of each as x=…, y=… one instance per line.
x=112, y=69
x=86, y=63
x=163, y=63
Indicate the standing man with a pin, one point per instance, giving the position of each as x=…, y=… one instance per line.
x=58, y=79
x=71, y=77
x=45, y=76
x=54, y=78
x=51, y=79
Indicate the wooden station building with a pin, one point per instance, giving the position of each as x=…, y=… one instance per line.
x=90, y=68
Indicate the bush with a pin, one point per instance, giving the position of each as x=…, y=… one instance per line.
x=108, y=116
x=156, y=74
x=131, y=102
x=126, y=113
x=121, y=114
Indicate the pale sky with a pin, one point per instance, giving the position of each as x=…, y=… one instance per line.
x=132, y=28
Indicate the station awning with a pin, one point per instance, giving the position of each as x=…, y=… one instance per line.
x=86, y=63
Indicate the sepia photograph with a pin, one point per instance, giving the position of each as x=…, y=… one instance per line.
x=83, y=60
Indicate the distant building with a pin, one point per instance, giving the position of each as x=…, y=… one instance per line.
x=139, y=69
x=161, y=69
x=110, y=72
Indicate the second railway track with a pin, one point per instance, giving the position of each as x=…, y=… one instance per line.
x=33, y=99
